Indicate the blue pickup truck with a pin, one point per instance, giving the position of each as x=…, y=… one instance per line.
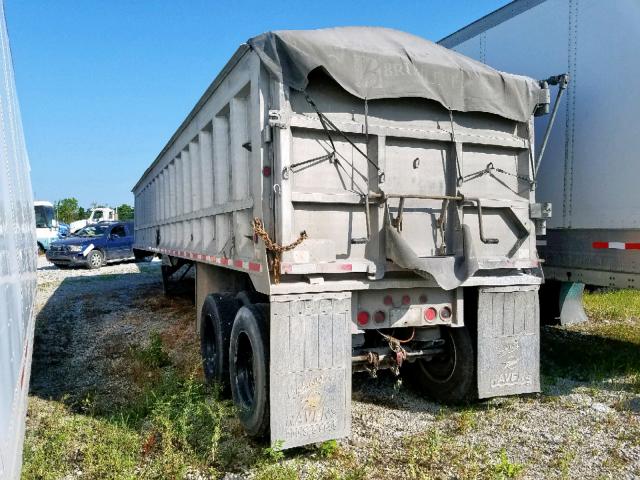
x=94, y=245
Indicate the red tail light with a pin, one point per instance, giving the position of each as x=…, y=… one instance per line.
x=379, y=316
x=388, y=300
x=423, y=298
x=406, y=299
x=430, y=314
x=363, y=318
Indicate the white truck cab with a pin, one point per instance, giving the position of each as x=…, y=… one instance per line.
x=46, y=224
x=99, y=214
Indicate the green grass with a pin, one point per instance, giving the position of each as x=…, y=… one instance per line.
x=505, y=468
x=604, y=348
x=173, y=426
x=613, y=304
x=153, y=355
x=60, y=442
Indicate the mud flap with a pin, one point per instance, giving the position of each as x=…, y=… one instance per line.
x=508, y=341
x=310, y=368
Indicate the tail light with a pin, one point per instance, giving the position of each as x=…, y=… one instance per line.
x=379, y=316
x=430, y=314
x=445, y=313
x=423, y=298
x=406, y=299
x=388, y=300
x=363, y=318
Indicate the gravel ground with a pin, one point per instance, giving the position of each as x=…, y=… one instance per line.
x=88, y=318
x=85, y=319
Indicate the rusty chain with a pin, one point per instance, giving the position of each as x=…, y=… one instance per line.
x=274, y=251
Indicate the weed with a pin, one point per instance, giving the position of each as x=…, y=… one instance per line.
x=465, y=421
x=328, y=449
x=274, y=452
x=563, y=462
x=277, y=472
x=356, y=472
x=153, y=355
x=505, y=468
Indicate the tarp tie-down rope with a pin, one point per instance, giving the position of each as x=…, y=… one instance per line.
x=324, y=120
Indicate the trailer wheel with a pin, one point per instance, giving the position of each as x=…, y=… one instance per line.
x=248, y=368
x=218, y=312
x=450, y=377
x=95, y=259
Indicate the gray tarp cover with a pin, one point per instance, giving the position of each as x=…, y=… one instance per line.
x=373, y=63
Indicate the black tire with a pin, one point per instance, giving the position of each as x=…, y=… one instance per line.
x=450, y=377
x=250, y=297
x=248, y=369
x=95, y=259
x=216, y=320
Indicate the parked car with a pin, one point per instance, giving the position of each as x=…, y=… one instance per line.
x=94, y=245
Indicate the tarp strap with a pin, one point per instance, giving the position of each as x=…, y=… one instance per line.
x=323, y=118
x=458, y=149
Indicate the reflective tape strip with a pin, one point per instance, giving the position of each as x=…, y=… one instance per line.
x=617, y=245
x=236, y=263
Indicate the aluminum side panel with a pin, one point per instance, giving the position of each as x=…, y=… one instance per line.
x=519, y=45
x=596, y=250
x=18, y=259
x=590, y=169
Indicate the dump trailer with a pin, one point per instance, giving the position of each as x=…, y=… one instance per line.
x=352, y=199
x=590, y=169
x=18, y=259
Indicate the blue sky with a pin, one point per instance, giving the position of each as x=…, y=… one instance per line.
x=104, y=84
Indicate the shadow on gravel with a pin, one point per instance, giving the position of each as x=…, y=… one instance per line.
x=567, y=354
x=87, y=324
x=587, y=357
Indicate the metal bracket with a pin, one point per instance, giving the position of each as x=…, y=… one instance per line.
x=279, y=119
x=540, y=210
x=483, y=239
x=562, y=81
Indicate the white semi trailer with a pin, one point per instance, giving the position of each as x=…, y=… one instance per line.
x=591, y=163
x=353, y=199
x=18, y=259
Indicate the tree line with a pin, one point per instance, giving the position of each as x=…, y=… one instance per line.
x=69, y=210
